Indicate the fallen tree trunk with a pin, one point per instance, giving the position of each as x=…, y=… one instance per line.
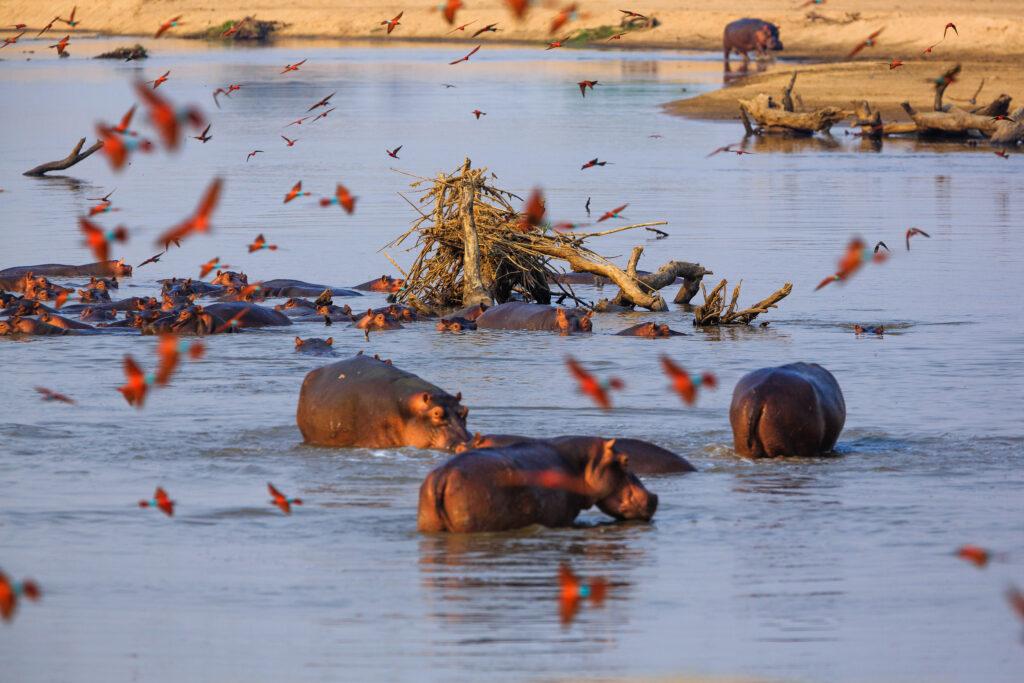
x=952, y=122
x=70, y=160
x=1009, y=132
x=473, y=290
x=1000, y=106
x=774, y=119
x=714, y=312
x=871, y=125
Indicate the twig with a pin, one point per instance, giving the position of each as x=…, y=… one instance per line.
x=70, y=160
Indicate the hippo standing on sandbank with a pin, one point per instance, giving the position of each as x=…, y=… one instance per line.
x=369, y=403
x=744, y=35
x=516, y=315
x=499, y=489
x=795, y=409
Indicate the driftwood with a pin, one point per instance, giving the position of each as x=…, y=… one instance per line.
x=475, y=247
x=126, y=53
x=70, y=160
x=953, y=122
x=871, y=125
x=1000, y=106
x=1009, y=132
x=787, y=94
x=714, y=311
x=775, y=119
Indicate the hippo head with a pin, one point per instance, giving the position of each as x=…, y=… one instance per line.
x=567, y=324
x=436, y=420
x=386, y=283
x=583, y=322
x=121, y=269
x=767, y=37
x=5, y=328
x=229, y=278
x=618, y=492
x=28, y=308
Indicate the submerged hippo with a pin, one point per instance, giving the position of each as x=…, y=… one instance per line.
x=455, y=324
x=365, y=402
x=794, y=409
x=93, y=295
x=29, y=326
x=385, y=283
x=516, y=315
x=295, y=288
x=61, y=321
x=644, y=457
x=315, y=346
x=498, y=489
x=650, y=330
x=97, y=313
x=744, y=35
x=99, y=269
x=377, y=321
x=254, y=315
x=469, y=312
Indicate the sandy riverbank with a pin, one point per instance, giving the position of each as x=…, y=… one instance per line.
x=988, y=28
x=843, y=84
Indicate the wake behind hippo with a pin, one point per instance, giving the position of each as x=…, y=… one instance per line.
x=516, y=315
x=500, y=489
x=369, y=403
x=795, y=409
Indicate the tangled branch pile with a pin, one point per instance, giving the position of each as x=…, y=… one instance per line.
x=714, y=312
x=474, y=246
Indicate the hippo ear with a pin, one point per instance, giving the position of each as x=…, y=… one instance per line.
x=298, y=341
x=458, y=397
x=330, y=341
x=623, y=461
x=608, y=454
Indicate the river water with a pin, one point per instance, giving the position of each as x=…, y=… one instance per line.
x=830, y=569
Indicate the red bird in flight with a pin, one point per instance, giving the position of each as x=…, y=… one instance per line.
x=160, y=501
x=12, y=591
x=915, y=231
x=50, y=395
x=168, y=25
x=293, y=67
x=200, y=220
x=591, y=386
x=160, y=81
x=98, y=239
x=685, y=384
x=867, y=42
x=282, y=501
x=261, y=243
x=584, y=85
x=342, y=198
x=466, y=58
x=296, y=191
x=393, y=153
x=288, y=141
x=614, y=213
x=392, y=24
x=592, y=163
x=534, y=212
x=857, y=254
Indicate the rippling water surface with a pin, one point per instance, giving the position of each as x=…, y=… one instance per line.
x=831, y=569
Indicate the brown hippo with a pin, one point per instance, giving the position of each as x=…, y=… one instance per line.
x=7, y=298
x=651, y=330
x=186, y=286
x=229, y=278
x=377, y=321
x=315, y=346
x=499, y=489
x=27, y=307
x=455, y=325
x=644, y=457
x=469, y=312
x=61, y=321
x=97, y=313
x=254, y=316
x=294, y=288
x=744, y=35
x=516, y=315
x=93, y=295
x=365, y=402
x=99, y=269
x=30, y=326
x=794, y=409
x=385, y=283
x=104, y=283
x=38, y=288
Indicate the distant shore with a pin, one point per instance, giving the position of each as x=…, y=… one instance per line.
x=988, y=29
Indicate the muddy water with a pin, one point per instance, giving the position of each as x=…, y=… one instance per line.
x=832, y=569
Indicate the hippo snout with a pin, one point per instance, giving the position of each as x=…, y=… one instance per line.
x=775, y=44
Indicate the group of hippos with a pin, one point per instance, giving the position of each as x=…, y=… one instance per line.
x=493, y=482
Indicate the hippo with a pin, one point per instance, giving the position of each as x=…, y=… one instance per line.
x=292, y=288
x=61, y=321
x=104, y=283
x=39, y=288
x=30, y=326
x=651, y=330
x=516, y=315
x=377, y=321
x=97, y=313
x=193, y=320
x=795, y=409
x=644, y=457
x=470, y=312
x=93, y=295
x=315, y=346
x=744, y=35
x=500, y=489
x=859, y=330
x=7, y=298
x=230, y=278
x=385, y=283
x=27, y=307
x=255, y=315
x=99, y=269
x=184, y=287
x=455, y=325
x=369, y=403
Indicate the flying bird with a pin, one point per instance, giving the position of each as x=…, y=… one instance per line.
x=460, y=28
x=477, y=113
x=466, y=58
x=589, y=385
x=557, y=43
x=234, y=323
x=614, y=213
x=449, y=10
x=152, y=259
x=392, y=24
x=584, y=85
x=393, y=153
x=856, y=255
x=12, y=41
x=71, y=20
x=1002, y=153
x=50, y=395
x=98, y=239
x=198, y=221
x=210, y=266
x=282, y=501
x=1016, y=599
x=592, y=163
x=136, y=383
x=252, y=154
x=293, y=67
x=564, y=16
x=587, y=206
x=573, y=590
x=895, y=64
x=915, y=231
x=324, y=102
x=168, y=25
x=342, y=198
x=867, y=42
x=289, y=141
x=634, y=15
x=976, y=555
x=685, y=384
x=203, y=137
x=298, y=122
x=534, y=212
x=261, y=243
x=296, y=191
x=160, y=81
x=48, y=26
x=160, y=501
x=323, y=114
x=950, y=25
x=491, y=28
x=12, y=591
x=62, y=45
x=165, y=118
x=170, y=349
